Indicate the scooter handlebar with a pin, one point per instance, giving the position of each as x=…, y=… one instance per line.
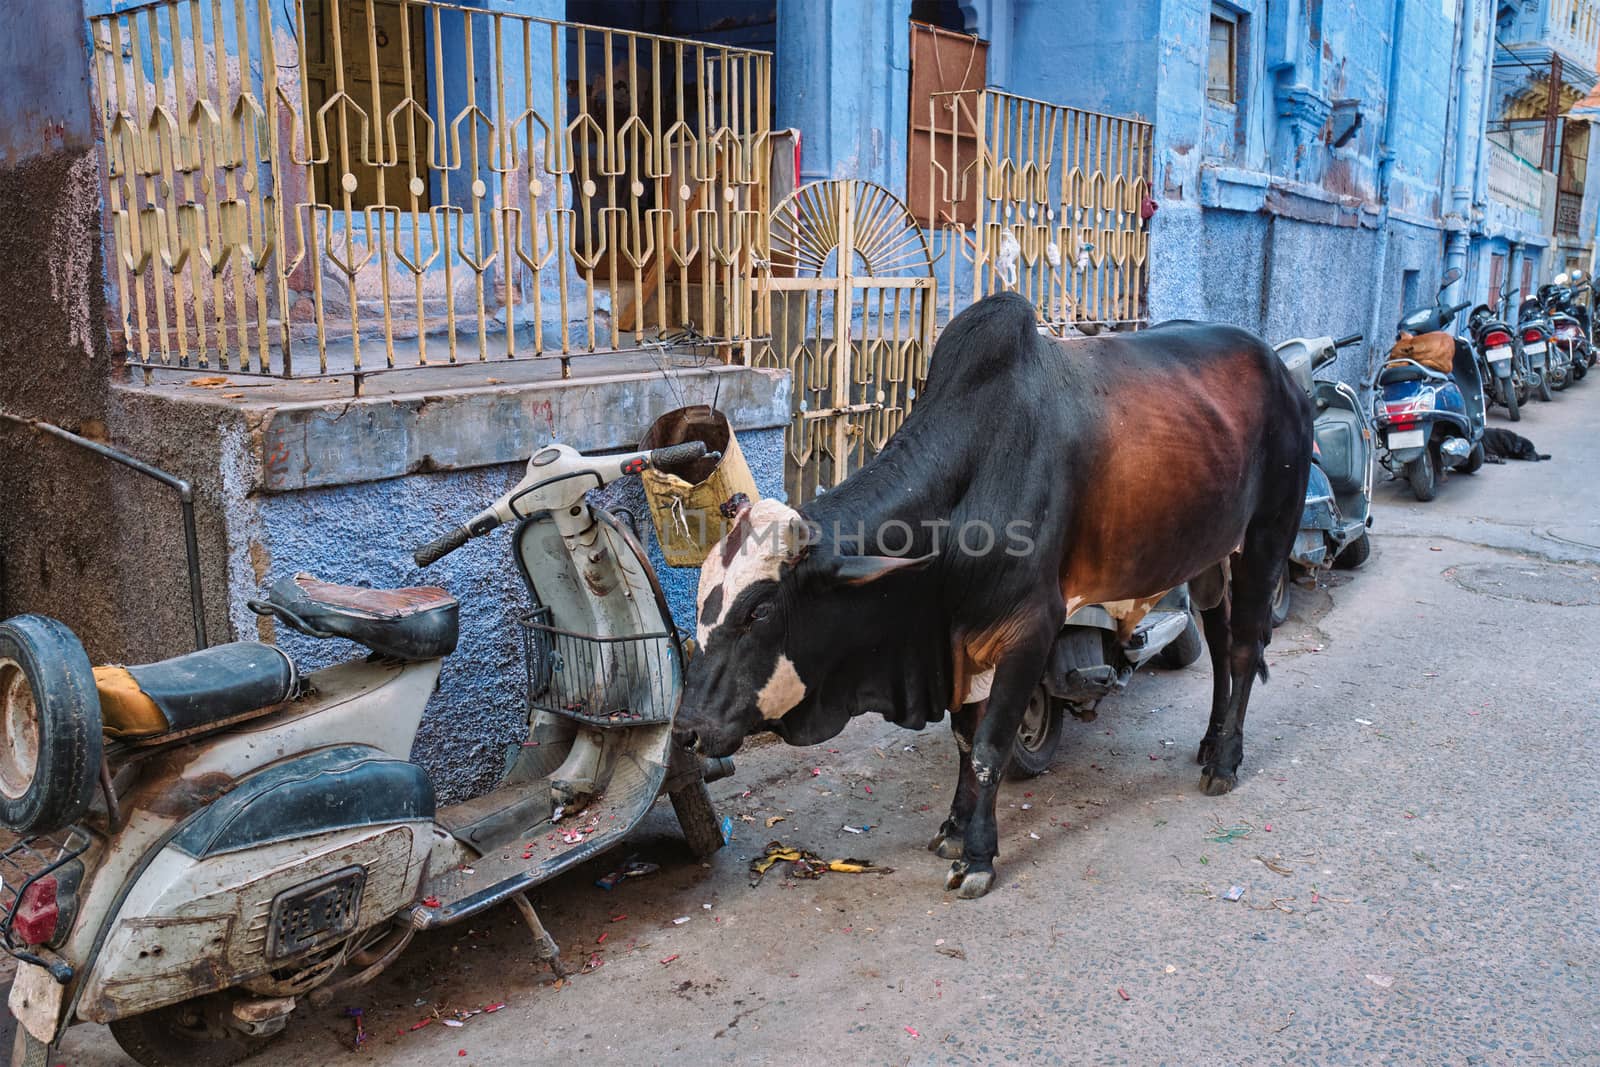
x=1450, y=312
x=1346, y=342
x=677, y=455
x=441, y=546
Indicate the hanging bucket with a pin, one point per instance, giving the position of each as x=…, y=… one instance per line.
x=689, y=512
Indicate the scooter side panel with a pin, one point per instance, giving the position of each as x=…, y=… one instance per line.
x=194, y=926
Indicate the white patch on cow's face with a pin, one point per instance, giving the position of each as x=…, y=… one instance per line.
x=782, y=692
x=773, y=539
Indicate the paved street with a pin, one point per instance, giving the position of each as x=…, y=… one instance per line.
x=1415, y=833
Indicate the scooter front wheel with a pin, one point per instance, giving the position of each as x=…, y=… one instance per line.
x=698, y=817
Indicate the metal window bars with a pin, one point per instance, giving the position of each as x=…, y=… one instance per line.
x=599, y=680
x=1059, y=195
x=439, y=182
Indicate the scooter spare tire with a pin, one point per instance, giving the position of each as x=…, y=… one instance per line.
x=50, y=740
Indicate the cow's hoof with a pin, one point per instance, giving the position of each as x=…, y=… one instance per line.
x=1214, y=782
x=946, y=845
x=1207, y=748
x=968, y=884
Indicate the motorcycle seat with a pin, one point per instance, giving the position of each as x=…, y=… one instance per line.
x=196, y=691
x=1405, y=372
x=403, y=624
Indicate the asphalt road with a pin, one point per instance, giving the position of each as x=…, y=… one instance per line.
x=1414, y=832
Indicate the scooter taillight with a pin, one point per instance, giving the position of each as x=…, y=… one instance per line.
x=1403, y=424
x=1496, y=338
x=37, y=913
x=1532, y=336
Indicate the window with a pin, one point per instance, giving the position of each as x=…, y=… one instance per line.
x=1221, y=79
x=1527, y=278
x=1410, y=283
x=1497, y=277
x=944, y=61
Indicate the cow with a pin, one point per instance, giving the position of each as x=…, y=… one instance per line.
x=1109, y=468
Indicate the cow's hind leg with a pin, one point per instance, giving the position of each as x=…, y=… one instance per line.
x=1255, y=572
x=949, y=840
x=1215, y=620
x=1014, y=679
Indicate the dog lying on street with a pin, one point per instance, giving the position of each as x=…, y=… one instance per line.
x=1500, y=445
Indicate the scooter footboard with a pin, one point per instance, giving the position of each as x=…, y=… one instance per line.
x=268, y=886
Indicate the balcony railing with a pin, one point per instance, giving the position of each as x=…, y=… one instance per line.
x=1041, y=199
x=333, y=186
x=1514, y=181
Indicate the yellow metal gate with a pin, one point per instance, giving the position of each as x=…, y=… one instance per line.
x=851, y=291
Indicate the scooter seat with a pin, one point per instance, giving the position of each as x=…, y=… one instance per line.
x=187, y=693
x=404, y=624
x=1405, y=372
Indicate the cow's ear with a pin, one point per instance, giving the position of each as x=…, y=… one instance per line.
x=859, y=570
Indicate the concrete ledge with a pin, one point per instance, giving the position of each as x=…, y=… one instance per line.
x=298, y=442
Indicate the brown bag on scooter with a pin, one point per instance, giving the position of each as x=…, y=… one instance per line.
x=688, y=512
x=1436, y=350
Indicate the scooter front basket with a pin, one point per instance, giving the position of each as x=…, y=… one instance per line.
x=601, y=681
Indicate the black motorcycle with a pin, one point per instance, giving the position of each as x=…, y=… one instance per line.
x=1569, y=324
x=1534, y=329
x=1500, y=361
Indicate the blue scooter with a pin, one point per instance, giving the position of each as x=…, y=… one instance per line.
x=1427, y=420
x=1338, y=508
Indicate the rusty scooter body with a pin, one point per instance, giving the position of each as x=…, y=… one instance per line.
x=257, y=838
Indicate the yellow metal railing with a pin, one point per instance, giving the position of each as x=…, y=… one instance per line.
x=1041, y=199
x=332, y=186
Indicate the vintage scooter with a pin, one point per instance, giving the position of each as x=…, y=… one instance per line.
x=1090, y=660
x=1338, y=509
x=211, y=840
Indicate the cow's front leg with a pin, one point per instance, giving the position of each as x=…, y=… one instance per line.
x=949, y=840
x=1015, y=677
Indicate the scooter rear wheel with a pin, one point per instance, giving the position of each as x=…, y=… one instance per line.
x=1423, y=474
x=191, y=1033
x=1356, y=552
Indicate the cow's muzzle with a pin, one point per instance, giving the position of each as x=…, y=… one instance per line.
x=706, y=737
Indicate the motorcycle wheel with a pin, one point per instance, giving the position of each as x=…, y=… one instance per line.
x=1281, y=598
x=191, y=1033
x=1356, y=552
x=1560, y=381
x=1544, y=386
x=1580, y=368
x=698, y=817
x=1038, y=736
x=1423, y=474
x=1185, y=649
x=1512, y=402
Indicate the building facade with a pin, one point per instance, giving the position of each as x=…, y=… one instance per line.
x=343, y=265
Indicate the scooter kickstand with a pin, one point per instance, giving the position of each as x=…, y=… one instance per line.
x=544, y=946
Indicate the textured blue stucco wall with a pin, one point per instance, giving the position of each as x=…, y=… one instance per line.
x=364, y=534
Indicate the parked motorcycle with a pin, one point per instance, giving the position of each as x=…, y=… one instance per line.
x=1567, y=324
x=1338, y=508
x=212, y=840
x=1089, y=661
x=1429, y=420
x=1544, y=367
x=1500, y=361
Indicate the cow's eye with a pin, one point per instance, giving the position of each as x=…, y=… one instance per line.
x=760, y=611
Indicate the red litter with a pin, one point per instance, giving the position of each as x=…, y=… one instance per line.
x=491, y=1009
x=600, y=940
x=1123, y=993
x=912, y=1031
x=461, y=1052
x=425, y=1022
x=618, y=918
x=430, y=902
x=669, y=959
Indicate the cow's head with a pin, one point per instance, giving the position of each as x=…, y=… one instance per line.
x=778, y=611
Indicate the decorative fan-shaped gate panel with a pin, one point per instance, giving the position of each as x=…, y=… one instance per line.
x=852, y=298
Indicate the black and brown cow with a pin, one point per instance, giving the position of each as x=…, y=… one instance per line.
x=1033, y=476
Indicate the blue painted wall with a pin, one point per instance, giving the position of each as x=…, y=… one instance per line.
x=363, y=535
